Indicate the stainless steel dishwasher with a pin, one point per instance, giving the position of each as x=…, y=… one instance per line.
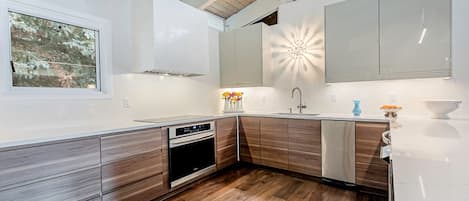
x=338, y=151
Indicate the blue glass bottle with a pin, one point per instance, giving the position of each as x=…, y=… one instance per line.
x=357, y=111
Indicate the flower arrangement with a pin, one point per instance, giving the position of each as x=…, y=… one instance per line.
x=233, y=101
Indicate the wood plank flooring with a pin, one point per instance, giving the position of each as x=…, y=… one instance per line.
x=258, y=184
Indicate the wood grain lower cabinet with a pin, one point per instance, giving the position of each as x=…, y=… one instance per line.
x=274, y=143
x=131, y=170
x=133, y=165
x=304, y=156
x=226, y=142
x=249, y=140
x=53, y=172
x=371, y=171
x=144, y=190
x=81, y=185
x=119, y=146
x=38, y=162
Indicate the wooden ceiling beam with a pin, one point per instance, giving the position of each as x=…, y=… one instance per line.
x=207, y=4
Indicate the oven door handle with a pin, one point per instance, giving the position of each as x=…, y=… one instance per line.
x=181, y=142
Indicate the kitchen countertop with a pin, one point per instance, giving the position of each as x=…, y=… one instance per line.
x=324, y=116
x=430, y=159
x=429, y=156
x=26, y=136
x=11, y=138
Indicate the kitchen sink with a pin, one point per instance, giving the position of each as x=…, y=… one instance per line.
x=298, y=114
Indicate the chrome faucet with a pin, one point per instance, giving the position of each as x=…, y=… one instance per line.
x=301, y=106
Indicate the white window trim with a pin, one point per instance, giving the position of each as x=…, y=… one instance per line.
x=52, y=12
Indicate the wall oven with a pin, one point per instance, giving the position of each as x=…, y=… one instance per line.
x=191, y=152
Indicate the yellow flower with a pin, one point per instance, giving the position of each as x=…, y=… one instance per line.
x=238, y=93
x=226, y=94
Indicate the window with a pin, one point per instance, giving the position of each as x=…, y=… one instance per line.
x=45, y=53
x=53, y=51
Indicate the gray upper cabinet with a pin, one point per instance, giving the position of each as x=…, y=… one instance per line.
x=415, y=38
x=387, y=39
x=352, y=41
x=245, y=57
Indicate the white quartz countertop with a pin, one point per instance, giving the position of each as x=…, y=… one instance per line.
x=26, y=135
x=10, y=138
x=430, y=159
x=29, y=135
x=325, y=116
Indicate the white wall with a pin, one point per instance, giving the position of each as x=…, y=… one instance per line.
x=304, y=18
x=147, y=94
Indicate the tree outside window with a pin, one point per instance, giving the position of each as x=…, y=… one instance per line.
x=50, y=54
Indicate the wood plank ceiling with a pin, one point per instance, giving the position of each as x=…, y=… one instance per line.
x=222, y=8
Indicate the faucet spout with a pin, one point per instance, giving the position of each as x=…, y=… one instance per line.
x=301, y=106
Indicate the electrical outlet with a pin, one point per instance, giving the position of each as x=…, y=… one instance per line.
x=125, y=103
x=333, y=98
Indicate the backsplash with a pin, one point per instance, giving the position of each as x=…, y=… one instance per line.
x=303, y=19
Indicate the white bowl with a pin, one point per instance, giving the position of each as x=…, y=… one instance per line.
x=441, y=108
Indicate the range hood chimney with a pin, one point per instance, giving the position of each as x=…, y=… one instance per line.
x=171, y=38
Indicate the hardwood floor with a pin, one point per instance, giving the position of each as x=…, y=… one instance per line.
x=258, y=184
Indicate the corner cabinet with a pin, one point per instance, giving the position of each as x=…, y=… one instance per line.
x=246, y=57
x=226, y=142
x=287, y=144
x=387, y=39
x=170, y=37
x=250, y=140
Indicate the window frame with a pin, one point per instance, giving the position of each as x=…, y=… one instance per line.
x=51, y=12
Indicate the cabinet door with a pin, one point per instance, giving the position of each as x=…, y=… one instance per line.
x=80, y=185
x=249, y=140
x=274, y=143
x=144, y=190
x=371, y=171
x=415, y=38
x=304, y=147
x=352, y=41
x=226, y=142
x=129, y=160
x=28, y=165
x=228, y=67
x=132, y=169
x=121, y=146
x=248, y=54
